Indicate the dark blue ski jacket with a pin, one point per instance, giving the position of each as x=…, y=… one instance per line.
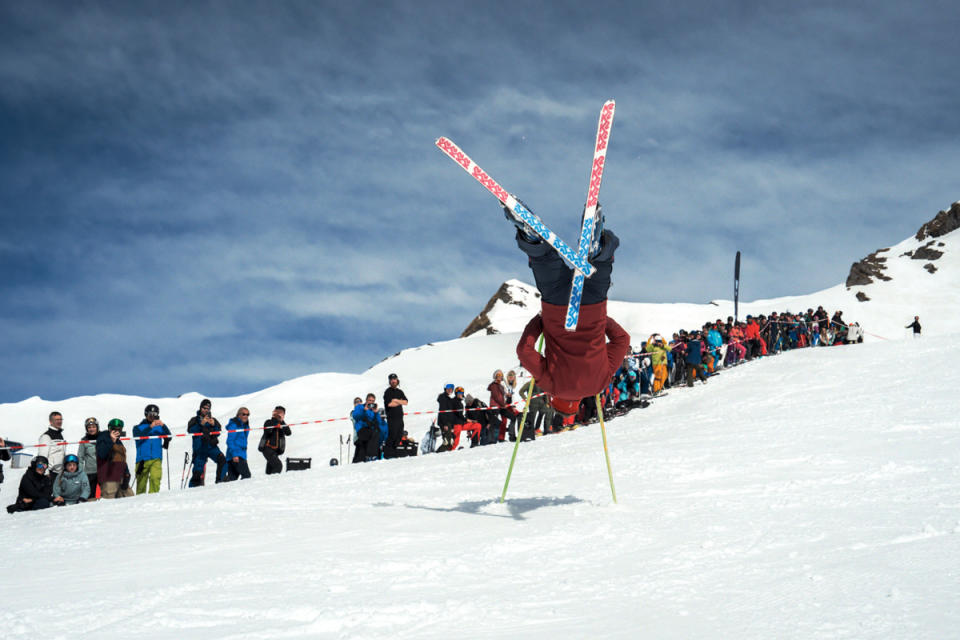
x=153, y=448
x=694, y=352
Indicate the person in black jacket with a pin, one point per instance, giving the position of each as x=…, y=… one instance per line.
x=915, y=325
x=36, y=489
x=447, y=417
x=206, y=436
x=394, y=400
x=273, y=442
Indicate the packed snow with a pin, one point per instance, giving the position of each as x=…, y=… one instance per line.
x=812, y=494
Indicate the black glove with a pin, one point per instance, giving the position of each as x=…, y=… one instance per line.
x=140, y=468
x=166, y=443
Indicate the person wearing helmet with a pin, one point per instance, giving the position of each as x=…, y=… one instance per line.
x=36, y=488
x=113, y=474
x=87, y=453
x=151, y=437
x=575, y=364
x=72, y=485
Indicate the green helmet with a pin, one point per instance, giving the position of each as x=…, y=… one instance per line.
x=116, y=423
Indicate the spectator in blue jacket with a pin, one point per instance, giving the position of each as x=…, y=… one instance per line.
x=715, y=342
x=206, y=437
x=238, y=432
x=150, y=449
x=371, y=430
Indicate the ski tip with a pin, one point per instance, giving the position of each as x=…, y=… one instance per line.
x=439, y=141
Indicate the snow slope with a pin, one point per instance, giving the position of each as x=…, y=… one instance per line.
x=811, y=495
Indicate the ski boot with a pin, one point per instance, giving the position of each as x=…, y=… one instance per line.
x=524, y=230
x=597, y=230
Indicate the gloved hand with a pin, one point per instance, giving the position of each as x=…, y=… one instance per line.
x=166, y=442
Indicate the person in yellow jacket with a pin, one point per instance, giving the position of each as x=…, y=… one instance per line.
x=658, y=350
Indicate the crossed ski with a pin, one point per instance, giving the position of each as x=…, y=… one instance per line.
x=577, y=260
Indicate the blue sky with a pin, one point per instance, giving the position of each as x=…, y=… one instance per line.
x=218, y=196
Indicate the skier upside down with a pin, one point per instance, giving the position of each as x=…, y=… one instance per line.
x=576, y=364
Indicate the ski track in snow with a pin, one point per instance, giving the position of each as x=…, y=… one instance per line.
x=811, y=495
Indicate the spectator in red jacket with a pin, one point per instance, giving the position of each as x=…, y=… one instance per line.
x=575, y=364
x=751, y=336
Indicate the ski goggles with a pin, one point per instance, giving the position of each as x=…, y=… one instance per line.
x=41, y=466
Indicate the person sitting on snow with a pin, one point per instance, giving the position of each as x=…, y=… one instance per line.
x=36, y=488
x=452, y=420
x=71, y=486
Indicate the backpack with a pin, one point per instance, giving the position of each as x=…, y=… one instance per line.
x=429, y=442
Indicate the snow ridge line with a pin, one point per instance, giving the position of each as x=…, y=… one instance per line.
x=63, y=443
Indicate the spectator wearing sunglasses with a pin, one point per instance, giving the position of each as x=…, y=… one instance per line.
x=150, y=449
x=36, y=488
x=238, y=432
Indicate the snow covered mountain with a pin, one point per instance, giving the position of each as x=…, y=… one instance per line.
x=814, y=494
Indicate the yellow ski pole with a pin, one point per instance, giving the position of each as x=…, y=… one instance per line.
x=523, y=421
x=606, y=452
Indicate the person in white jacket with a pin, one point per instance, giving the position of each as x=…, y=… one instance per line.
x=56, y=447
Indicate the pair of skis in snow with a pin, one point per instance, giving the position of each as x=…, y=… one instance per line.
x=578, y=260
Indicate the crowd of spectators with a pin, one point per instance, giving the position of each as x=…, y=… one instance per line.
x=99, y=467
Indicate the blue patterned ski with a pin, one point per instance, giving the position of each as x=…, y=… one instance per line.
x=590, y=210
x=576, y=259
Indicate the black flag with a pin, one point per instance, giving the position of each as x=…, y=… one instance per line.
x=736, y=287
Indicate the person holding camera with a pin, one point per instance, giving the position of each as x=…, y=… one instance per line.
x=371, y=430
x=113, y=474
x=206, y=430
x=150, y=449
x=273, y=442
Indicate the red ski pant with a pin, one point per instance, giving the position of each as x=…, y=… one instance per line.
x=473, y=427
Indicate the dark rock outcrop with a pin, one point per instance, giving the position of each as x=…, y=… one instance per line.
x=862, y=297
x=866, y=270
x=942, y=224
x=926, y=252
